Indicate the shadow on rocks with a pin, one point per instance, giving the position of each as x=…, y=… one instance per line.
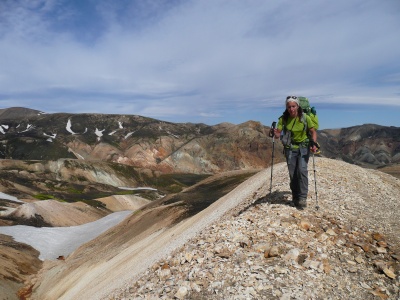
x=276, y=197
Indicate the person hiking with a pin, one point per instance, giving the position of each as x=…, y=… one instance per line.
x=296, y=130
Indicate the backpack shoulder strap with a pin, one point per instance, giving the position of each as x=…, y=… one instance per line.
x=283, y=123
x=304, y=121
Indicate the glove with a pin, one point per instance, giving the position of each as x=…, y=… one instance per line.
x=312, y=144
x=317, y=151
x=271, y=132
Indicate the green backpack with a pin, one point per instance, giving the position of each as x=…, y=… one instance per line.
x=310, y=111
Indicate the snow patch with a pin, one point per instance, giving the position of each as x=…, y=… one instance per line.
x=137, y=188
x=69, y=125
x=129, y=134
x=79, y=156
x=76, y=154
x=28, y=127
x=8, y=197
x=119, y=127
x=53, y=136
x=53, y=242
x=2, y=127
x=99, y=133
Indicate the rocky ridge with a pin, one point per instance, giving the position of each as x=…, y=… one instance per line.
x=247, y=245
x=266, y=249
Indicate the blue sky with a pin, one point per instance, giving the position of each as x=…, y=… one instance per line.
x=207, y=61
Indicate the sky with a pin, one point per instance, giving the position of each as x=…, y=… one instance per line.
x=203, y=61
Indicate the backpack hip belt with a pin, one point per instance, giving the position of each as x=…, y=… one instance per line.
x=303, y=144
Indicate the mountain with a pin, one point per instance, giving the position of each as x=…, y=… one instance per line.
x=18, y=113
x=368, y=145
x=134, y=140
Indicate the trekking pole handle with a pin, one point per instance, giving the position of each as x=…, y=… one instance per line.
x=272, y=132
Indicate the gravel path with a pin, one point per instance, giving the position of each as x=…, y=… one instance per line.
x=252, y=245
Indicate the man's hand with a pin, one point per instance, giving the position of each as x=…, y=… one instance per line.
x=314, y=146
x=277, y=133
x=271, y=132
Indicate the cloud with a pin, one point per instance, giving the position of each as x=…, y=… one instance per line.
x=196, y=58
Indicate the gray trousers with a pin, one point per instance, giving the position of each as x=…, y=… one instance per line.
x=297, y=162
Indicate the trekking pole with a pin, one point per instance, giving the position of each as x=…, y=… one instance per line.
x=315, y=182
x=272, y=134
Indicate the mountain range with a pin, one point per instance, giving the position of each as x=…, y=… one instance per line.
x=27, y=134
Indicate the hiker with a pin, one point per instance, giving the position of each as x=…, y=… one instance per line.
x=299, y=137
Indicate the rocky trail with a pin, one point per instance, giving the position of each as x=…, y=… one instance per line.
x=264, y=248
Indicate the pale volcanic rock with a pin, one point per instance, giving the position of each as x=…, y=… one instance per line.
x=59, y=214
x=124, y=202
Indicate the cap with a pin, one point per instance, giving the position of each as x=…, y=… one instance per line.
x=292, y=99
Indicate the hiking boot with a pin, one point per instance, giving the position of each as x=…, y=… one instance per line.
x=301, y=203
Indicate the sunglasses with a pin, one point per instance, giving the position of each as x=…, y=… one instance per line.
x=293, y=97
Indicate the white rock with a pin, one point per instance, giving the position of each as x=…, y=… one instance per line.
x=182, y=292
